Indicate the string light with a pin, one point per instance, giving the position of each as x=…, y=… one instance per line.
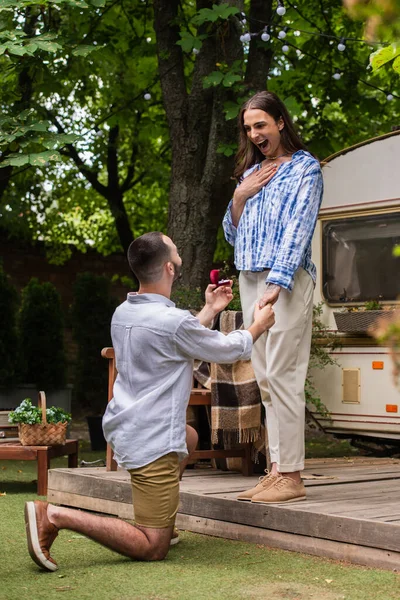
x=147, y=96
x=195, y=50
x=265, y=36
x=246, y=37
x=282, y=33
x=281, y=10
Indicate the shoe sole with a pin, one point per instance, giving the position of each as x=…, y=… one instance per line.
x=174, y=541
x=33, y=540
x=244, y=499
x=279, y=501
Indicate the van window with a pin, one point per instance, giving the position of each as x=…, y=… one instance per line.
x=357, y=258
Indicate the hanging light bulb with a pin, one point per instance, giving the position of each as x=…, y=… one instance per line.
x=265, y=36
x=281, y=10
x=337, y=75
x=195, y=50
x=246, y=37
x=147, y=96
x=282, y=33
x=341, y=45
x=285, y=48
x=389, y=97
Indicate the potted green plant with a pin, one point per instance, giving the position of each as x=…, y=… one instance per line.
x=91, y=313
x=38, y=425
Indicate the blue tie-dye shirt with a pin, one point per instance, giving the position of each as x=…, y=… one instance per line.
x=277, y=224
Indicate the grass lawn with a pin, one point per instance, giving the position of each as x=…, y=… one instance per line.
x=199, y=567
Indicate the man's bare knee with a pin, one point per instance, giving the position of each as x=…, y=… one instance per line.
x=157, y=554
x=158, y=543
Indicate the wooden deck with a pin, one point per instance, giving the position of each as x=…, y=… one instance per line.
x=352, y=511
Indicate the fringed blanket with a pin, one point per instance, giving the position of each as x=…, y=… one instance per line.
x=235, y=397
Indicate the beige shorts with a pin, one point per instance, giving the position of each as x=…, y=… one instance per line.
x=155, y=491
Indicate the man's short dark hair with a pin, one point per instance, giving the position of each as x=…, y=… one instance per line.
x=147, y=255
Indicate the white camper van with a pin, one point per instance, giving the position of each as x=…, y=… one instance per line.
x=358, y=226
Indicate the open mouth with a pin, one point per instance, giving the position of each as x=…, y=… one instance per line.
x=262, y=145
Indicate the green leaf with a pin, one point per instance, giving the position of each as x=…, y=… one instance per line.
x=396, y=65
x=224, y=11
x=384, y=55
x=396, y=251
x=39, y=126
x=7, y=138
x=66, y=138
x=17, y=50
x=41, y=158
x=227, y=149
x=48, y=46
x=84, y=50
x=213, y=79
x=189, y=41
x=18, y=161
x=230, y=79
x=31, y=47
x=231, y=110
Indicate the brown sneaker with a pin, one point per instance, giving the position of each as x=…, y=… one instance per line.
x=284, y=489
x=40, y=533
x=174, y=537
x=264, y=484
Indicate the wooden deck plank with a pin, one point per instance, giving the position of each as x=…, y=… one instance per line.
x=370, y=557
x=282, y=518
x=356, y=514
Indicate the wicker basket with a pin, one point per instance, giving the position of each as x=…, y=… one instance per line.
x=42, y=434
x=359, y=321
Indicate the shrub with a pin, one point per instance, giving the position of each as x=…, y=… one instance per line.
x=91, y=314
x=41, y=331
x=8, y=331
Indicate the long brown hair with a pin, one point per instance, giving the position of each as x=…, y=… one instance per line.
x=248, y=154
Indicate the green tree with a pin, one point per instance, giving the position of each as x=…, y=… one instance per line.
x=193, y=65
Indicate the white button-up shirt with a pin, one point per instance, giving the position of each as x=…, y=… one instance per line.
x=155, y=344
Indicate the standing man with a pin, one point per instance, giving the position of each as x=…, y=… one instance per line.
x=145, y=423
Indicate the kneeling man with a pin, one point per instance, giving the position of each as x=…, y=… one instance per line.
x=155, y=344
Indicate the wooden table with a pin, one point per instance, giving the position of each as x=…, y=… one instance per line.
x=13, y=450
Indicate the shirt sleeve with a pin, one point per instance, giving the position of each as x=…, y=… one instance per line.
x=299, y=230
x=197, y=342
x=230, y=230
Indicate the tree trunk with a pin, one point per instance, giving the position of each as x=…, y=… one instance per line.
x=201, y=182
x=201, y=177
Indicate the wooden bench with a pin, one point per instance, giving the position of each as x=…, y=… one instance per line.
x=13, y=450
x=198, y=397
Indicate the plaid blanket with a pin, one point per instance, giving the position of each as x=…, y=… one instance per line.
x=235, y=397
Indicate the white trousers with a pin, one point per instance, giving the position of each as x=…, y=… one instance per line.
x=280, y=361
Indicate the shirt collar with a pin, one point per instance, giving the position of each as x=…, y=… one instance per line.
x=135, y=298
